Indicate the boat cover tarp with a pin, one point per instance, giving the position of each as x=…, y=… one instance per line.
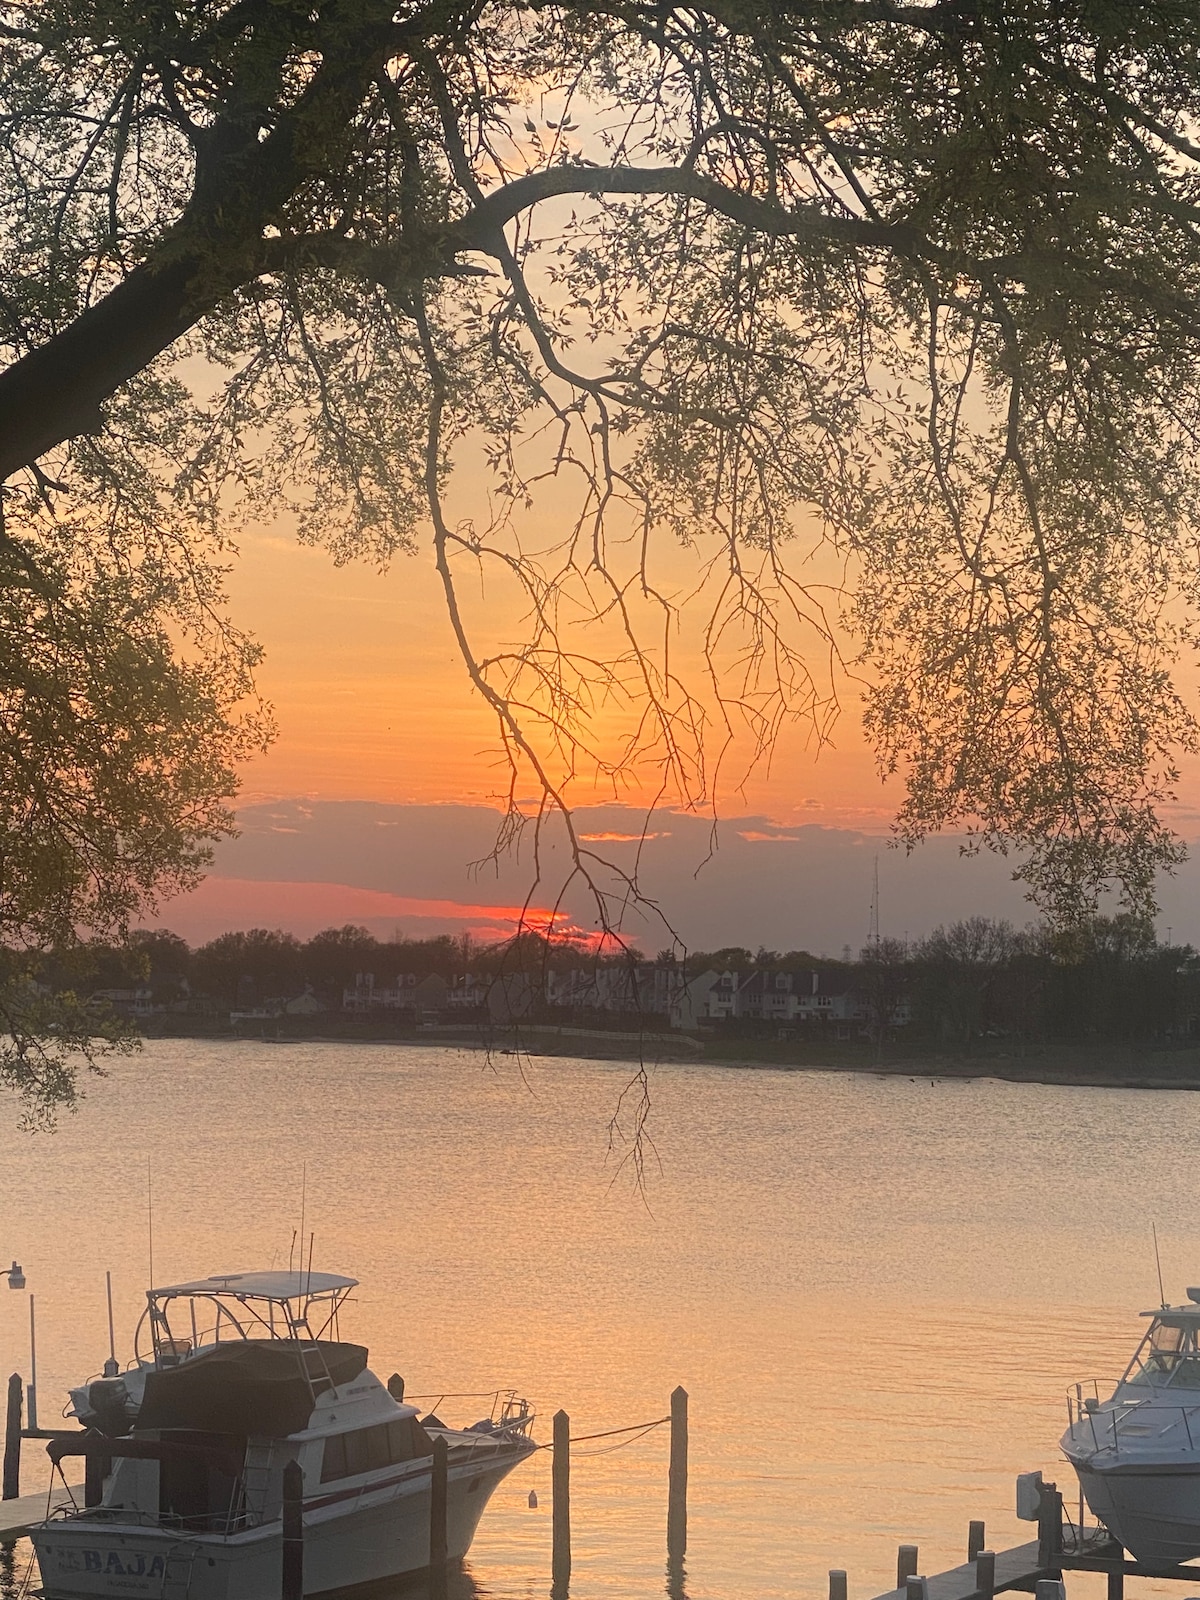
x=92, y=1443
x=255, y=1387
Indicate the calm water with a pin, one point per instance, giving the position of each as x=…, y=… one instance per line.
x=876, y=1290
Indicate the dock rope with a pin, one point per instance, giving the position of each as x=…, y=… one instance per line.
x=638, y=1429
x=464, y=1394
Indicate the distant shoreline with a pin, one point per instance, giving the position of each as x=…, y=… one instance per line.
x=1087, y=1066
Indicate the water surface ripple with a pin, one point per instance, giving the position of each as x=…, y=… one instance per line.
x=875, y=1289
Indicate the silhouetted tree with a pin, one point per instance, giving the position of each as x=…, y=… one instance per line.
x=249, y=967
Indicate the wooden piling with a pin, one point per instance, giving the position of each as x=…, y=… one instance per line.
x=985, y=1574
x=915, y=1588
x=12, y=1439
x=975, y=1540
x=293, y=1532
x=438, y=1501
x=1116, y=1584
x=906, y=1564
x=837, y=1584
x=395, y=1386
x=560, y=1482
x=677, y=1477
x=1050, y=1525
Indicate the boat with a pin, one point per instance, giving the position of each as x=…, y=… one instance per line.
x=1137, y=1453
x=234, y=1377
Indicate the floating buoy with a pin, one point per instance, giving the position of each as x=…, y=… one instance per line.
x=533, y=1499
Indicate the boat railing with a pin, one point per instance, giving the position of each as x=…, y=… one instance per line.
x=1125, y=1420
x=174, y=1522
x=508, y=1412
x=511, y=1414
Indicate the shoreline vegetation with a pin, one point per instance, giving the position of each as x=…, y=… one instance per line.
x=1105, y=1003
x=1110, y=1066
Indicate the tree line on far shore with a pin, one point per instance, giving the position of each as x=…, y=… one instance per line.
x=1109, y=979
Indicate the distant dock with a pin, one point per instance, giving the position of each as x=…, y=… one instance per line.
x=1060, y=1547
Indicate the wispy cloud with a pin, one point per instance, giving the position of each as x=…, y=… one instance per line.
x=621, y=838
x=304, y=907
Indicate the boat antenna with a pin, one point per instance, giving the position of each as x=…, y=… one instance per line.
x=308, y=1284
x=150, y=1215
x=112, y=1337
x=1158, y=1264
x=303, y=1197
x=292, y=1250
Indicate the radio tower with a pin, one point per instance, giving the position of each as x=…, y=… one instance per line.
x=873, y=930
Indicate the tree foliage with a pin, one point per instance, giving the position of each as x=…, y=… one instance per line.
x=912, y=286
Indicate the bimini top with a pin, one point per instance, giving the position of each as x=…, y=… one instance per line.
x=280, y=1286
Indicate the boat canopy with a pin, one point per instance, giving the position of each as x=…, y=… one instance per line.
x=296, y=1306
x=279, y=1286
x=259, y=1388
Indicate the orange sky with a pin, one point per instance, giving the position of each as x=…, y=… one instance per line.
x=372, y=701
x=373, y=705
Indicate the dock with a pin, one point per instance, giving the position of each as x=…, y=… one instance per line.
x=1018, y=1568
x=1059, y=1548
x=18, y=1516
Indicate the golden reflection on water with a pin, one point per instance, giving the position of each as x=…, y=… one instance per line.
x=876, y=1290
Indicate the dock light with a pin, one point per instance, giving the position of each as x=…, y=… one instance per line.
x=16, y=1278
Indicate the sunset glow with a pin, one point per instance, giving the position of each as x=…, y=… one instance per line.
x=373, y=701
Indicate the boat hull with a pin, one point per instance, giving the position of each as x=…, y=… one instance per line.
x=1151, y=1509
x=349, y=1541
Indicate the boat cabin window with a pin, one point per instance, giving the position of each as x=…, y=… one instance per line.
x=367, y=1449
x=1171, y=1354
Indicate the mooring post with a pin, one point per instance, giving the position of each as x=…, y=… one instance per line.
x=396, y=1387
x=677, y=1477
x=32, y=1392
x=293, y=1532
x=1049, y=1525
x=1116, y=1583
x=837, y=1584
x=985, y=1574
x=12, y=1439
x=906, y=1564
x=975, y=1540
x=916, y=1588
x=1051, y=1589
x=560, y=1516
x=438, y=1497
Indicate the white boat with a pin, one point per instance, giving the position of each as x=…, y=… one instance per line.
x=235, y=1377
x=1137, y=1453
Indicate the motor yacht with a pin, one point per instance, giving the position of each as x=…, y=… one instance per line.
x=1137, y=1453
x=234, y=1377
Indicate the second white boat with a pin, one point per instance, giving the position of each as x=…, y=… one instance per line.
x=1137, y=1452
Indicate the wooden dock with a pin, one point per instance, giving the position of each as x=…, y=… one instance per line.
x=18, y=1516
x=1018, y=1568
x=1059, y=1548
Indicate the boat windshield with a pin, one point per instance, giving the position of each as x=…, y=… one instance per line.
x=1169, y=1354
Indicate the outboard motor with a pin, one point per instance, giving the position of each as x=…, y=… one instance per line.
x=110, y=1405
